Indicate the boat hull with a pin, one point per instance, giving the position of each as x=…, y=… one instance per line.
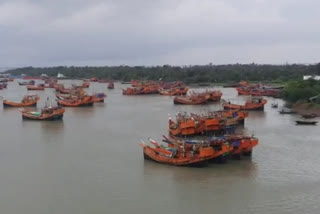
x=10, y=104
x=199, y=163
x=53, y=117
x=65, y=104
x=236, y=107
x=183, y=101
x=307, y=123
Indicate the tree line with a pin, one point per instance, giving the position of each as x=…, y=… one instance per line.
x=189, y=74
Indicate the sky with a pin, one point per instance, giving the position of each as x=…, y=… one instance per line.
x=145, y=32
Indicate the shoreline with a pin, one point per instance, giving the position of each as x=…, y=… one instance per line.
x=306, y=108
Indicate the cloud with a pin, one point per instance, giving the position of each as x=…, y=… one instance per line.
x=99, y=32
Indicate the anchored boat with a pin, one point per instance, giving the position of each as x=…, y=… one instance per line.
x=28, y=100
x=174, y=91
x=47, y=113
x=190, y=100
x=255, y=103
x=240, y=145
x=39, y=87
x=182, y=154
x=299, y=122
x=287, y=111
x=140, y=90
x=77, y=102
x=217, y=122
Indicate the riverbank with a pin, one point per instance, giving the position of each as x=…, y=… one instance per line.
x=306, y=108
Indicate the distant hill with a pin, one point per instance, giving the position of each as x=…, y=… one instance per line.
x=4, y=69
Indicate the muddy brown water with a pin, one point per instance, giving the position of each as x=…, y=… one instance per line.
x=91, y=162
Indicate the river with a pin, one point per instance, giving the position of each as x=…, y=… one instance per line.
x=91, y=161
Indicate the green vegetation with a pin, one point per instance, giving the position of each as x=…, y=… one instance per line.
x=188, y=74
x=301, y=91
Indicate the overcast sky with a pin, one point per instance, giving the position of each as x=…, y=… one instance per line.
x=152, y=32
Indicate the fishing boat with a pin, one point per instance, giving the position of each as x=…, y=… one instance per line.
x=274, y=105
x=61, y=89
x=99, y=97
x=240, y=145
x=31, y=82
x=300, y=122
x=76, y=102
x=287, y=111
x=28, y=100
x=184, y=154
x=3, y=85
x=93, y=79
x=174, y=91
x=39, y=87
x=255, y=103
x=190, y=100
x=111, y=85
x=47, y=113
x=140, y=90
x=216, y=122
x=309, y=116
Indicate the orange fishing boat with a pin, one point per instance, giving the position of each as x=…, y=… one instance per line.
x=190, y=100
x=140, y=90
x=47, y=113
x=251, y=104
x=239, y=144
x=39, y=87
x=61, y=89
x=28, y=100
x=212, y=122
x=99, y=97
x=182, y=154
x=174, y=91
x=76, y=102
x=211, y=95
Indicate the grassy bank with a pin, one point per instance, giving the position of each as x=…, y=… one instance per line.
x=303, y=95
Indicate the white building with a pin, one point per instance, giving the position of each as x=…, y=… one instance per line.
x=307, y=77
x=60, y=75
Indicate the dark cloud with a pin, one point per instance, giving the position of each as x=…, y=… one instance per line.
x=99, y=32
